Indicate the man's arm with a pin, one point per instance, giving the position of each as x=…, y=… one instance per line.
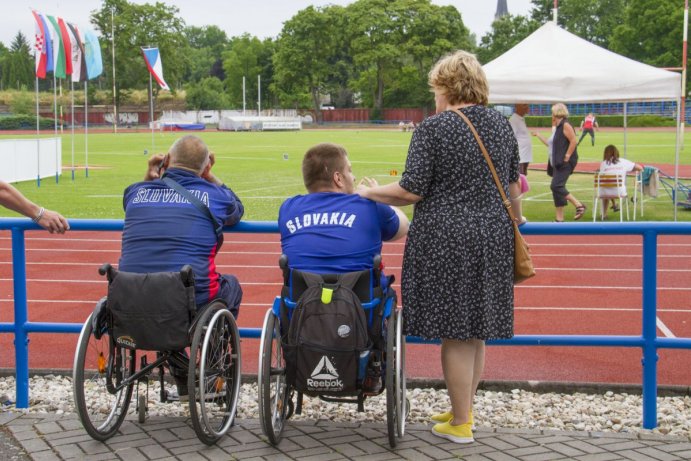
x=52, y=221
x=403, y=224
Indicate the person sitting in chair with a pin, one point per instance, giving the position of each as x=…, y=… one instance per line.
x=164, y=231
x=332, y=230
x=612, y=164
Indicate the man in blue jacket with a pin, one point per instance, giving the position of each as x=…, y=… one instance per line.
x=332, y=230
x=164, y=231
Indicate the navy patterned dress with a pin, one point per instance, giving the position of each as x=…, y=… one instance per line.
x=457, y=278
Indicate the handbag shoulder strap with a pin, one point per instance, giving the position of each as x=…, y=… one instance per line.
x=218, y=228
x=505, y=200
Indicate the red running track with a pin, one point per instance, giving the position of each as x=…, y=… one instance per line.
x=585, y=285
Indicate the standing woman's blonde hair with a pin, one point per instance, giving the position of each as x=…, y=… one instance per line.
x=460, y=78
x=559, y=110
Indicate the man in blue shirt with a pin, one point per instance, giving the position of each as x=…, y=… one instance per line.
x=332, y=229
x=163, y=231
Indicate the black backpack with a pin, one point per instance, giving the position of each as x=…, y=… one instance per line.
x=326, y=336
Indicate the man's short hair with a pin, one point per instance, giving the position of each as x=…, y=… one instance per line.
x=189, y=152
x=320, y=163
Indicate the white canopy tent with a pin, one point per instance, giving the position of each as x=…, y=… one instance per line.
x=553, y=65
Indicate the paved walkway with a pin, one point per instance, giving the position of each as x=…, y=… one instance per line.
x=51, y=437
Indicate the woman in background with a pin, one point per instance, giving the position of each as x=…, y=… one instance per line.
x=564, y=159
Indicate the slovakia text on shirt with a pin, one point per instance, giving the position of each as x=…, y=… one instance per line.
x=335, y=218
x=146, y=195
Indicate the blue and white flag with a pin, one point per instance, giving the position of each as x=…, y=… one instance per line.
x=92, y=55
x=153, y=62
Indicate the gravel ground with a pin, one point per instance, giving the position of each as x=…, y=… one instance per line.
x=615, y=412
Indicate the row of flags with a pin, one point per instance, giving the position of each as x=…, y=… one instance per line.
x=63, y=49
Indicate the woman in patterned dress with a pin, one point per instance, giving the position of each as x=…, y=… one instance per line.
x=457, y=282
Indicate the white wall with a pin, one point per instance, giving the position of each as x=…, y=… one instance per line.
x=20, y=158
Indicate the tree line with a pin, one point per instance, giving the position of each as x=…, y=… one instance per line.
x=371, y=53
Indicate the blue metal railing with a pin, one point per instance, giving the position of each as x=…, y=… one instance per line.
x=647, y=341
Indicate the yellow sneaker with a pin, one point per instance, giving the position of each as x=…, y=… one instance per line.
x=442, y=417
x=448, y=416
x=458, y=434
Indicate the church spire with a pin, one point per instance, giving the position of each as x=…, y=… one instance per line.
x=502, y=9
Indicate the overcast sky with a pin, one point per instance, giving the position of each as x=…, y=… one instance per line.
x=261, y=18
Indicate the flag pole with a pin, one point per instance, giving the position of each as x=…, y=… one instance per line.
x=55, y=119
x=259, y=95
x=86, y=128
x=72, y=93
x=38, y=140
x=151, y=111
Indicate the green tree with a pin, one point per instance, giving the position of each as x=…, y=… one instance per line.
x=594, y=21
x=376, y=39
x=206, y=94
x=243, y=59
x=303, y=61
x=651, y=32
x=139, y=26
x=430, y=31
x=206, y=47
x=18, y=65
x=506, y=32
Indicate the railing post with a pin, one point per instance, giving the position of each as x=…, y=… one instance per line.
x=649, y=329
x=21, y=338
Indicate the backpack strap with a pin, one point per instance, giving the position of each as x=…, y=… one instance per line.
x=218, y=228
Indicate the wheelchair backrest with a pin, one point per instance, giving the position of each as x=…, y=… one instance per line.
x=151, y=311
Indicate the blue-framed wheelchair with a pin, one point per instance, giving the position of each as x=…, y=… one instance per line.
x=291, y=365
x=156, y=312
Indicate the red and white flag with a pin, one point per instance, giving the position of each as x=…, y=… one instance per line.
x=40, y=47
x=153, y=62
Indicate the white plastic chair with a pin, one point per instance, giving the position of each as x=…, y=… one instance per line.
x=610, y=186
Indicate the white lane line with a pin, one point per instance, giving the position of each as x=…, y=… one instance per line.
x=663, y=328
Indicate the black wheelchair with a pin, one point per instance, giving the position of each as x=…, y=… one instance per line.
x=156, y=312
x=280, y=396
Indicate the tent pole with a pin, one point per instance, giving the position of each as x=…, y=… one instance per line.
x=625, y=129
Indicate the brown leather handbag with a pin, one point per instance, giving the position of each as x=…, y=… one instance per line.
x=522, y=263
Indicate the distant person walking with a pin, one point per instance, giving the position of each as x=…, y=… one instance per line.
x=520, y=130
x=588, y=126
x=564, y=157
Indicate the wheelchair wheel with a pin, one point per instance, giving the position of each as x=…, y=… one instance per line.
x=214, y=375
x=274, y=402
x=396, y=402
x=99, y=371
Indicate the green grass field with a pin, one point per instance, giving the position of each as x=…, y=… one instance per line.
x=253, y=165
